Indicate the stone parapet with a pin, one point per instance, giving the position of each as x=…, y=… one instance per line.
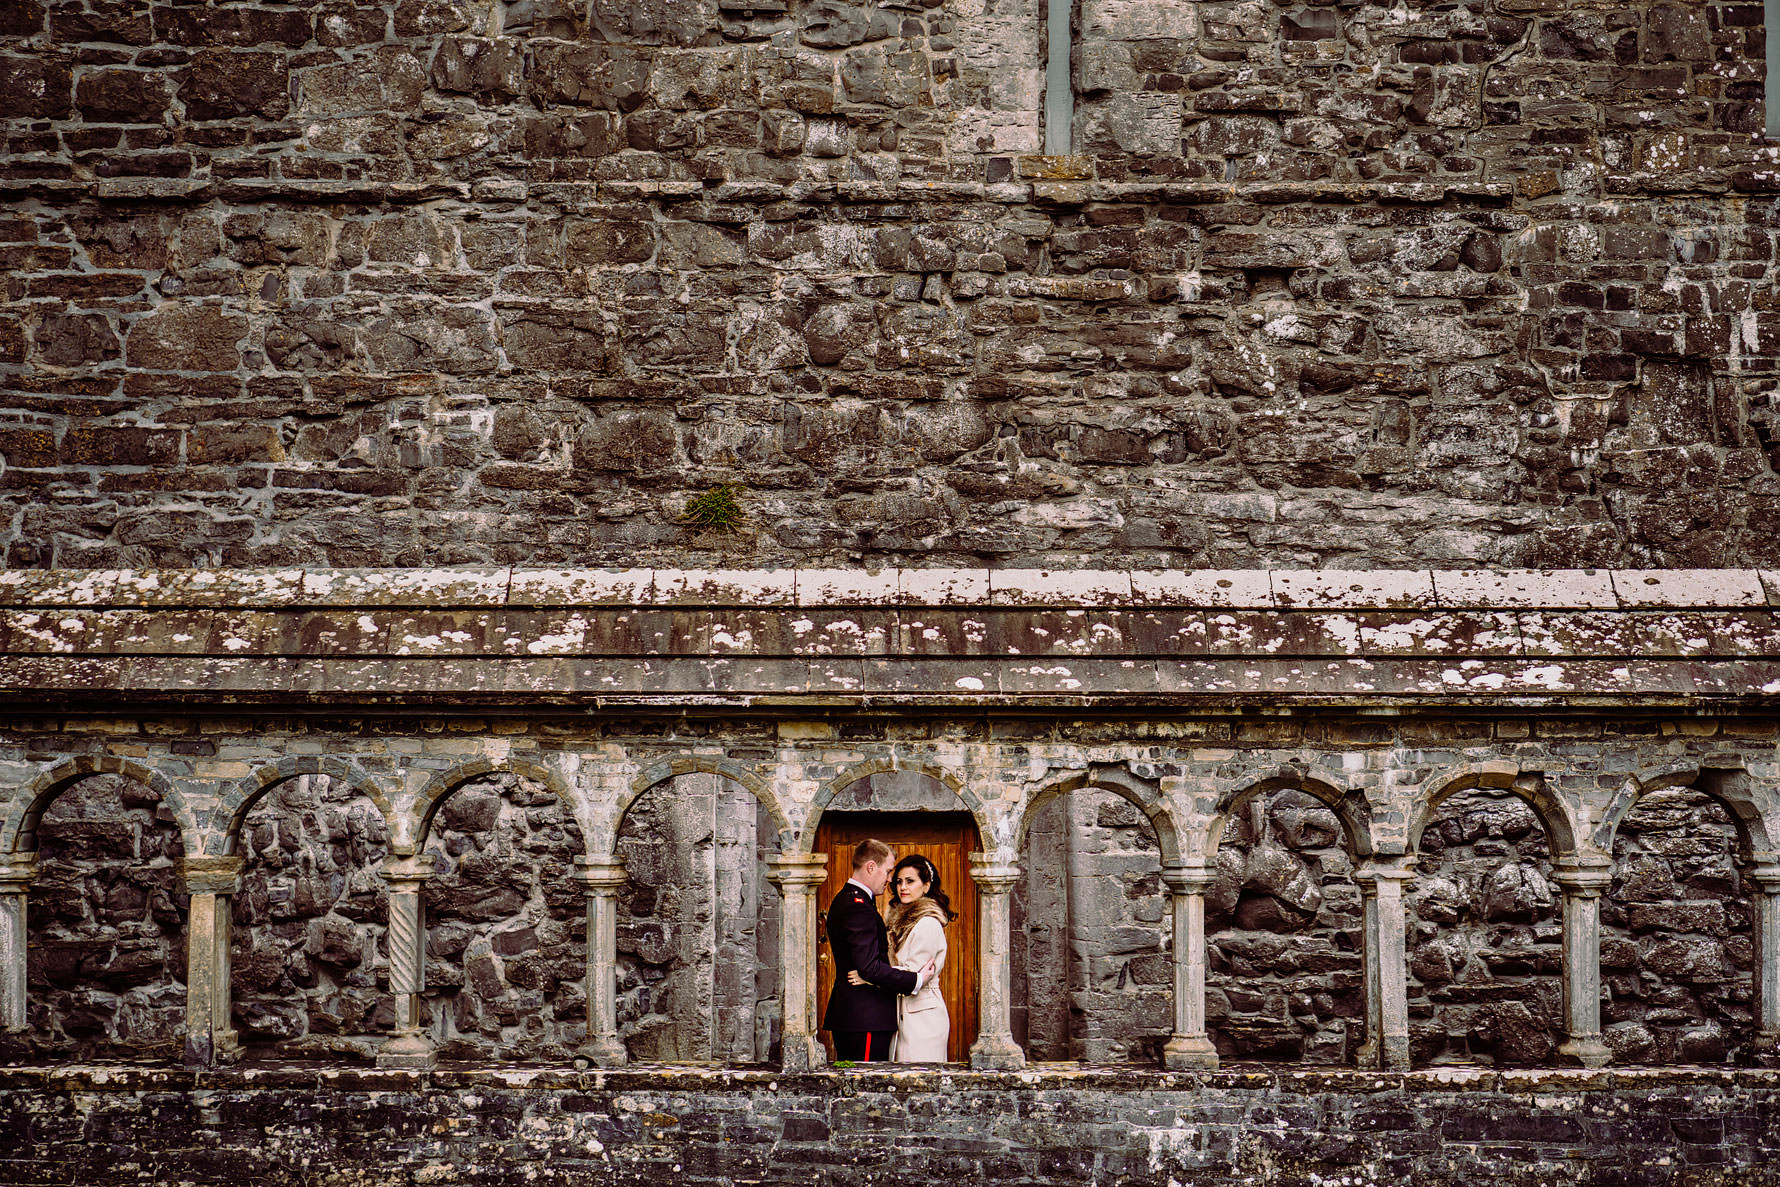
x=1055, y=1124
x=920, y=636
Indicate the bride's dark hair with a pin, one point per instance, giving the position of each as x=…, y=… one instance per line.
x=924, y=870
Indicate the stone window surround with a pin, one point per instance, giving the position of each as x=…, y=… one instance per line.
x=1187, y=799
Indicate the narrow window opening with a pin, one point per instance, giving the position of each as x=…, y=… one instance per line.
x=1059, y=88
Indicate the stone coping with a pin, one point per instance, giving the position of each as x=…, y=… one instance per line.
x=1417, y=590
x=1036, y=1078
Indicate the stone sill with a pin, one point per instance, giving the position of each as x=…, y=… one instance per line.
x=1245, y=589
x=1038, y=1077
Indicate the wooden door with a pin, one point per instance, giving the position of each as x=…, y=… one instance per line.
x=947, y=839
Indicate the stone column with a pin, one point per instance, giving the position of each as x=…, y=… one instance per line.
x=1190, y=1046
x=1583, y=880
x=797, y=876
x=1387, y=974
x=409, y=1045
x=1763, y=882
x=17, y=872
x=212, y=883
x=995, y=1047
x=602, y=876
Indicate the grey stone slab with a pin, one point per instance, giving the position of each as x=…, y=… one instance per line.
x=1578, y=633
x=539, y=632
x=1058, y=632
x=804, y=631
x=1472, y=633
x=627, y=632
x=938, y=676
x=153, y=632
x=758, y=675
x=1770, y=580
x=1334, y=589
x=840, y=675
x=440, y=588
x=1684, y=588
x=58, y=587
x=1068, y=676
x=638, y=676
x=444, y=632
x=1231, y=589
x=1059, y=587
x=944, y=587
x=1510, y=589
x=1262, y=633
x=580, y=587
x=51, y=631
x=848, y=587
x=336, y=632
x=257, y=588
x=945, y=631
x=725, y=587
x=1167, y=631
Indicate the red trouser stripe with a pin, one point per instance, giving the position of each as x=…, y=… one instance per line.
x=867, y=1047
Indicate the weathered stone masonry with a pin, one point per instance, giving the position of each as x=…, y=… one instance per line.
x=489, y=281
x=1188, y=695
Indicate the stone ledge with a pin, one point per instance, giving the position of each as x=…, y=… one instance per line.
x=1257, y=589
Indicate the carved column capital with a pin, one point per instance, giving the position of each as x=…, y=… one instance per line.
x=1587, y=876
x=1188, y=879
x=1765, y=877
x=601, y=875
x=994, y=873
x=408, y=873
x=17, y=871
x=797, y=873
x=211, y=875
x=1370, y=875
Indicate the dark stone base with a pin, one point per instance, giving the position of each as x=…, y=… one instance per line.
x=296, y=1124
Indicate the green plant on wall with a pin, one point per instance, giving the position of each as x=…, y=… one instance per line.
x=716, y=510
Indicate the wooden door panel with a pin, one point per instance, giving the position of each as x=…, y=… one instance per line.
x=947, y=839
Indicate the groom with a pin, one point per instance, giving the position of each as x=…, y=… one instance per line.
x=862, y=1018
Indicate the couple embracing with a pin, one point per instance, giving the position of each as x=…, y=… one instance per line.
x=885, y=1004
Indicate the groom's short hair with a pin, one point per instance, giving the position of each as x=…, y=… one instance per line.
x=871, y=849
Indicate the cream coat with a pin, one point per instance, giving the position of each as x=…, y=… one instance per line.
x=922, y=1023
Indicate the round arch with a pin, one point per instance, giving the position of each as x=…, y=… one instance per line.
x=1351, y=808
x=1729, y=787
x=18, y=829
x=704, y=764
x=240, y=797
x=1554, y=815
x=439, y=788
x=1147, y=798
x=949, y=779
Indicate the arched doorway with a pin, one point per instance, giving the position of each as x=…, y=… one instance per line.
x=913, y=813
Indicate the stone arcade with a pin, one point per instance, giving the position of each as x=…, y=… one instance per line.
x=1188, y=694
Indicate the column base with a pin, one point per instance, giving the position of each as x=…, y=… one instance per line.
x=1186, y=1052
x=407, y=1049
x=1585, y=1051
x=213, y=1050
x=997, y=1053
x=802, y=1053
x=604, y=1051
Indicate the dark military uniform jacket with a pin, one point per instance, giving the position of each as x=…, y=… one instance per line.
x=857, y=940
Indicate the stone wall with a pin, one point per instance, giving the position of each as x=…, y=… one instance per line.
x=1283, y=924
x=698, y=926
x=1675, y=950
x=487, y=280
x=1093, y=964
x=1486, y=940
x=106, y=974
x=1146, y=1129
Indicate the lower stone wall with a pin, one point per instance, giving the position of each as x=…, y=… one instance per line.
x=350, y=1126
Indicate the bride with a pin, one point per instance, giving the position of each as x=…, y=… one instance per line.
x=917, y=922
